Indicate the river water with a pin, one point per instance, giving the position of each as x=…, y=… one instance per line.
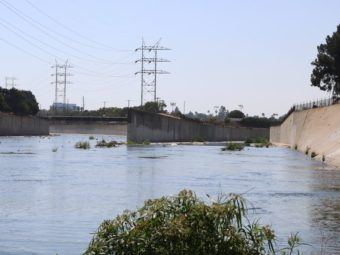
x=52, y=201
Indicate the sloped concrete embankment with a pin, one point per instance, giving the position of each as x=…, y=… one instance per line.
x=315, y=130
x=12, y=125
x=144, y=126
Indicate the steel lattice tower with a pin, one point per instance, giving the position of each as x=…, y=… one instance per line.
x=149, y=70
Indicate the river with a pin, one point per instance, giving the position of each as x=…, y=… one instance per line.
x=53, y=196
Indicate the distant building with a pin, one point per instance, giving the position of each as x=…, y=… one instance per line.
x=65, y=107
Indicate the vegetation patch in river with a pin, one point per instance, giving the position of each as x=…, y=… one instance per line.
x=133, y=143
x=184, y=224
x=233, y=147
x=258, y=142
x=83, y=145
x=106, y=144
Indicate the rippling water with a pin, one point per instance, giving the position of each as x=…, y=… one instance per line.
x=51, y=202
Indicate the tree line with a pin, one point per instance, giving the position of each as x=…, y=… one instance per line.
x=20, y=102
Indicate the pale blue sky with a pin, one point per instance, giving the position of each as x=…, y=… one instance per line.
x=255, y=53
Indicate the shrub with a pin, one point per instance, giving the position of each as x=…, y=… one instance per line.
x=248, y=141
x=133, y=143
x=83, y=145
x=259, y=142
x=233, y=147
x=184, y=224
x=110, y=144
x=295, y=147
x=313, y=154
x=91, y=137
x=323, y=158
x=259, y=122
x=146, y=142
x=307, y=150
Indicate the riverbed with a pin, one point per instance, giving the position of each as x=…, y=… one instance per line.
x=53, y=196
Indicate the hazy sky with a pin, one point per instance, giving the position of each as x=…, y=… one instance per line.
x=255, y=53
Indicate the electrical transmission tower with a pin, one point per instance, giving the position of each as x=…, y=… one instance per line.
x=10, y=82
x=61, y=75
x=149, y=70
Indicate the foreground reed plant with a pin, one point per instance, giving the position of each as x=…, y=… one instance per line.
x=185, y=225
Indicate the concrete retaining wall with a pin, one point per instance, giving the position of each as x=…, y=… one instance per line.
x=88, y=127
x=317, y=129
x=143, y=126
x=12, y=125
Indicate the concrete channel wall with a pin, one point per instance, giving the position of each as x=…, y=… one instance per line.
x=143, y=126
x=315, y=130
x=88, y=125
x=12, y=125
x=83, y=127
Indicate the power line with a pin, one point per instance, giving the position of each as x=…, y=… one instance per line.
x=48, y=31
x=12, y=29
x=25, y=51
x=73, y=31
x=149, y=67
x=93, y=73
x=33, y=44
x=105, y=76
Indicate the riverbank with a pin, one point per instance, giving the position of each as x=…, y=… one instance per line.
x=315, y=132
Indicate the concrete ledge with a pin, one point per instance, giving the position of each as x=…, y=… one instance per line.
x=145, y=126
x=13, y=125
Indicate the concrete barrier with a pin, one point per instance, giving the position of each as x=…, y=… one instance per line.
x=316, y=130
x=12, y=125
x=144, y=126
x=87, y=125
x=84, y=127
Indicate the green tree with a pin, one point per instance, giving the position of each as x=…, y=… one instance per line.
x=326, y=72
x=154, y=107
x=20, y=102
x=222, y=112
x=237, y=114
x=3, y=104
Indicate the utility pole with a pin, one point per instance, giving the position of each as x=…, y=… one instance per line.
x=184, y=107
x=104, y=103
x=129, y=102
x=10, y=82
x=83, y=103
x=172, y=104
x=149, y=56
